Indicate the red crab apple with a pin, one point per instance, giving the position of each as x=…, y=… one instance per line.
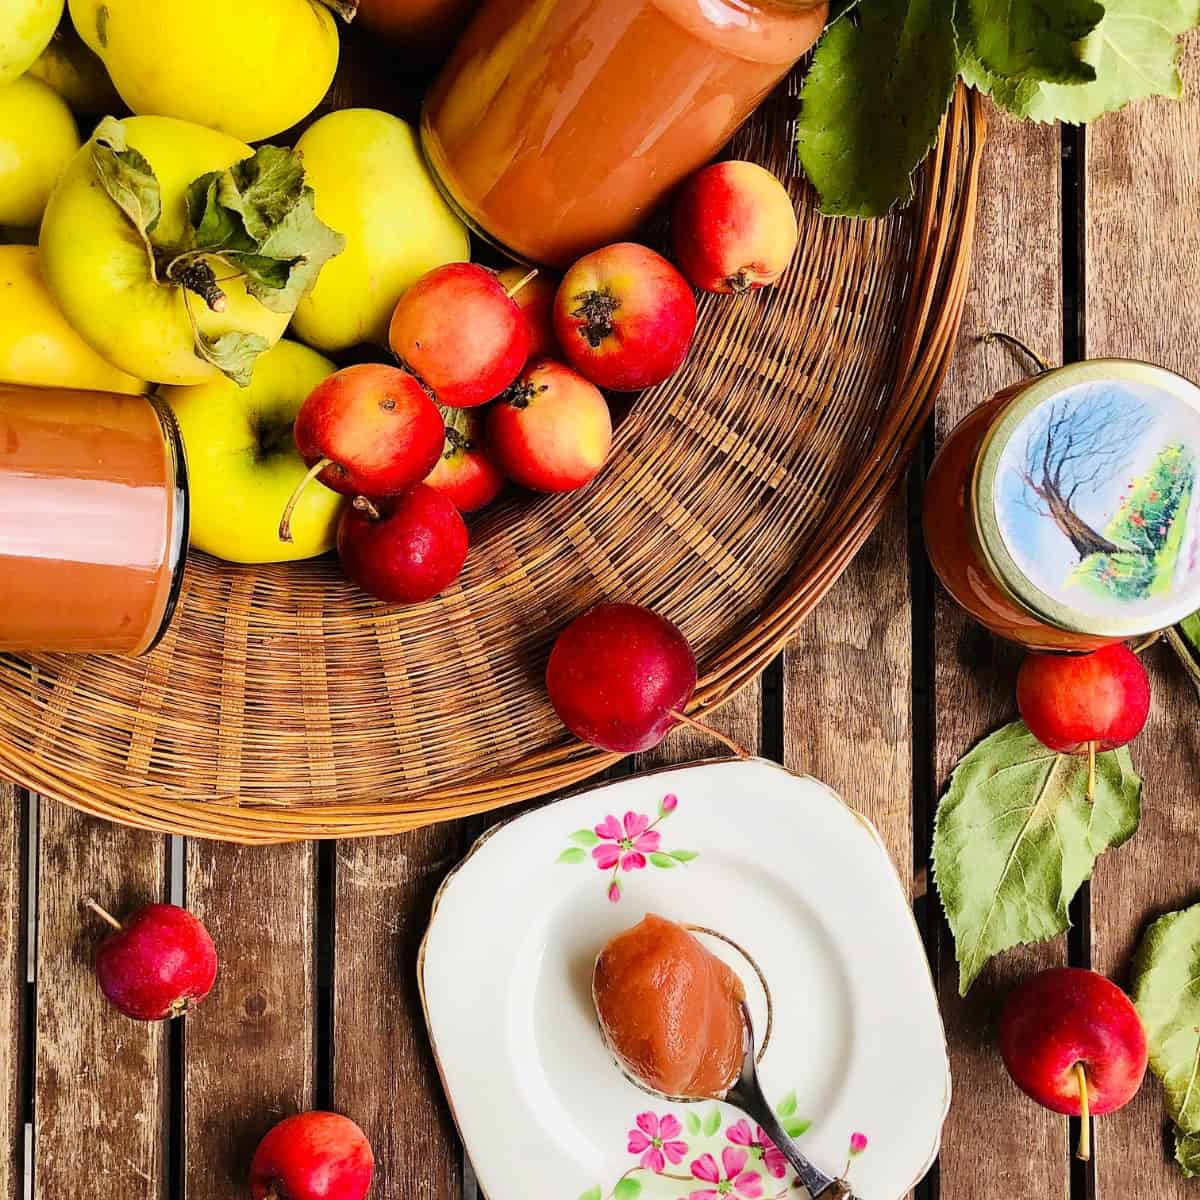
x=461, y=333
x=624, y=317
x=158, y=964
x=1082, y=703
x=369, y=429
x=551, y=431
x=404, y=550
x=1074, y=1042
x=468, y=471
x=535, y=298
x=312, y=1156
x=733, y=228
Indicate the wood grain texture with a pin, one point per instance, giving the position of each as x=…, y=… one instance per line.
x=994, y=1133
x=12, y=986
x=101, y=1078
x=384, y=1074
x=248, y=1050
x=1143, y=258
x=739, y=719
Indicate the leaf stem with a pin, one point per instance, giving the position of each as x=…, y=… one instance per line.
x=1084, y=1150
x=285, y=522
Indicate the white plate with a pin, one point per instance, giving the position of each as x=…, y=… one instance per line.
x=774, y=862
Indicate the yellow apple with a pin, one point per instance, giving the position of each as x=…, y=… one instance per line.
x=243, y=464
x=25, y=28
x=36, y=344
x=37, y=139
x=372, y=186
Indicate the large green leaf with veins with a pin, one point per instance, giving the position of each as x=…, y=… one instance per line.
x=1016, y=836
x=1028, y=39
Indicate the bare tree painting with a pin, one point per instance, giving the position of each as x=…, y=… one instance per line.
x=1083, y=441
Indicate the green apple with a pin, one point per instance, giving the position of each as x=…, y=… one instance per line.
x=243, y=464
x=371, y=185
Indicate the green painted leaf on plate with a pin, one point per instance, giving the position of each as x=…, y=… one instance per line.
x=628, y=1189
x=712, y=1122
x=585, y=837
x=787, y=1106
x=1016, y=836
x=572, y=855
x=693, y=1124
x=796, y=1127
x=595, y=1193
x=684, y=856
x=662, y=860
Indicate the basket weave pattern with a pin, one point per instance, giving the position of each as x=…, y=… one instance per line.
x=285, y=704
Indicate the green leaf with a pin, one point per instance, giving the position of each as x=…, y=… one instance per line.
x=797, y=1127
x=1134, y=52
x=585, y=837
x=685, y=856
x=572, y=855
x=1187, y=1153
x=233, y=353
x=594, y=1193
x=873, y=101
x=1028, y=39
x=1016, y=836
x=1189, y=627
x=627, y=1189
x=128, y=179
x=693, y=1124
x=787, y=1106
x=1165, y=970
x=662, y=860
x=712, y=1122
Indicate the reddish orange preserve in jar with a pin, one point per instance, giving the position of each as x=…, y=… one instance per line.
x=1064, y=513
x=558, y=125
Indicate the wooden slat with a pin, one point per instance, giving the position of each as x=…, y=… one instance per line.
x=384, y=1076
x=12, y=986
x=995, y=1139
x=1143, y=258
x=249, y=1048
x=100, y=1079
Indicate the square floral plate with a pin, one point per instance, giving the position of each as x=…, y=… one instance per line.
x=795, y=881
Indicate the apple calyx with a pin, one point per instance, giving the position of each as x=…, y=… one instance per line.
x=102, y=913
x=285, y=522
x=741, y=282
x=1084, y=1150
x=596, y=308
x=701, y=727
x=179, y=1007
x=520, y=394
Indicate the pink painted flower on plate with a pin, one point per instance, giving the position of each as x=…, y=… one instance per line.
x=625, y=843
x=614, y=892
x=669, y=803
x=858, y=1143
x=756, y=1140
x=656, y=1139
x=729, y=1179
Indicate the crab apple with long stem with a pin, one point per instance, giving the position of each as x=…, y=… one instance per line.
x=620, y=676
x=368, y=429
x=159, y=962
x=535, y=299
x=460, y=332
x=312, y=1156
x=1084, y=703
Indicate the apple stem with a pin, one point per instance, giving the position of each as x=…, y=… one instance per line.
x=1091, y=792
x=516, y=287
x=1084, y=1151
x=740, y=751
x=285, y=522
x=103, y=914
x=366, y=506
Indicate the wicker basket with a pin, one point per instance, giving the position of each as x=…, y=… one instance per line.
x=283, y=704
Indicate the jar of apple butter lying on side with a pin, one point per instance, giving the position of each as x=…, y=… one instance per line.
x=1064, y=513
x=93, y=520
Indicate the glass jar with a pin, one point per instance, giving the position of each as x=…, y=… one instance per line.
x=93, y=520
x=1064, y=513
x=558, y=125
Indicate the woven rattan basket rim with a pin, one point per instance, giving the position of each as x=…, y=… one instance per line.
x=940, y=268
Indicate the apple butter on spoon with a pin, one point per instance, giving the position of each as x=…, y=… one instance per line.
x=675, y=1017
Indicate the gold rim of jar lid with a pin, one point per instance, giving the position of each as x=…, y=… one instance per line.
x=988, y=534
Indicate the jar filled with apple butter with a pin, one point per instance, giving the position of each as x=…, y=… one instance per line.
x=558, y=126
x=1064, y=513
x=93, y=520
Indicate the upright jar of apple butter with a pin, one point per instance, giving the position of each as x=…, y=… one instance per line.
x=93, y=520
x=559, y=125
x=1064, y=513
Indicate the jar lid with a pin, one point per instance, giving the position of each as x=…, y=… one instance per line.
x=1087, y=507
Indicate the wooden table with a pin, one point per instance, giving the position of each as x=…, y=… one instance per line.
x=1087, y=244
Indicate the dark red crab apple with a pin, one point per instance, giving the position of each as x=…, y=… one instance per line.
x=405, y=550
x=461, y=333
x=369, y=429
x=312, y=1156
x=624, y=317
x=159, y=963
x=1073, y=1041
